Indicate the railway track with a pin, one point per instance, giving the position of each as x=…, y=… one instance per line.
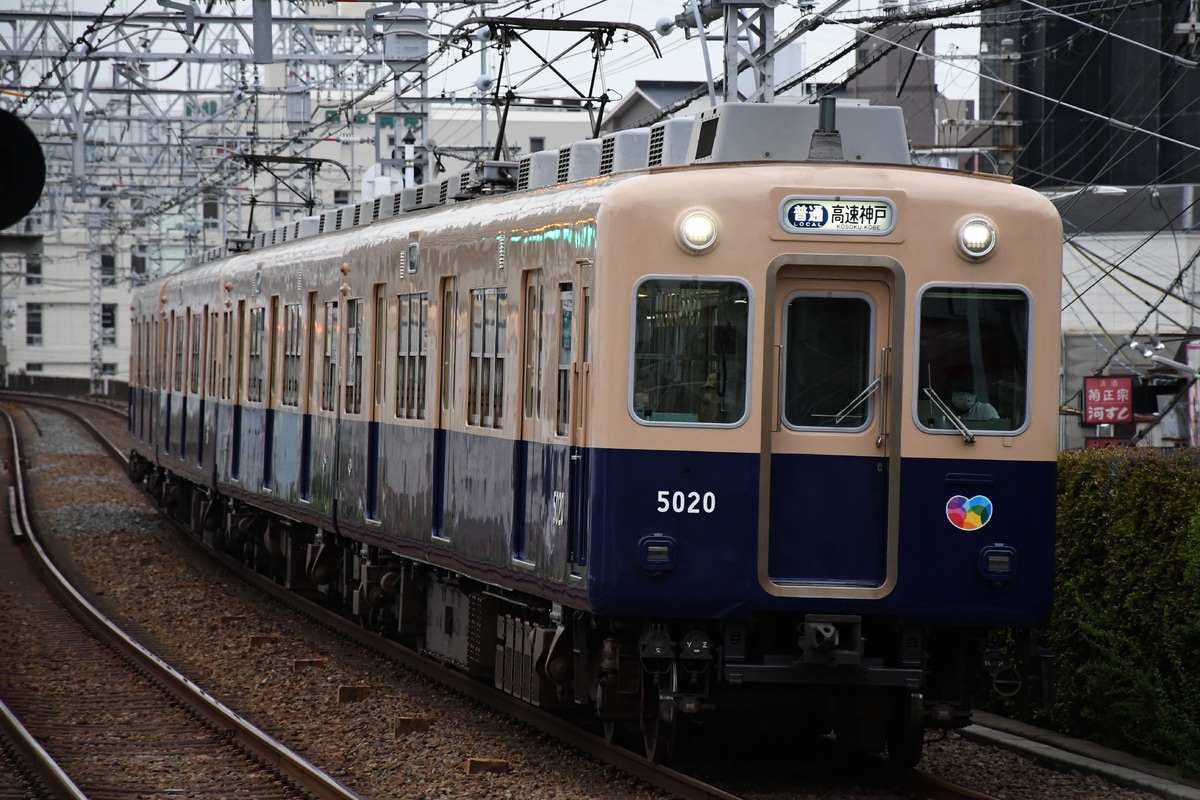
x=114, y=717
x=663, y=780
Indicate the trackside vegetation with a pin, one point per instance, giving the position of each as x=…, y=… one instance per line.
x=1126, y=623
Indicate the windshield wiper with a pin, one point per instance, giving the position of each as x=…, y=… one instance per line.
x=967, y=435
x=857, y=401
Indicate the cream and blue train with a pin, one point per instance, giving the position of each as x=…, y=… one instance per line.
x=666, y=425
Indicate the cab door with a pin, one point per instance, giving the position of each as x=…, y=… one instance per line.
x=833, y=477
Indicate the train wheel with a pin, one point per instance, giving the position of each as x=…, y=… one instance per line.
x=660, y=738
x=660, y=720
x=620, y=734
x=906, y=730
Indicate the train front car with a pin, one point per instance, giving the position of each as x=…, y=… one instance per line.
x=823, y=439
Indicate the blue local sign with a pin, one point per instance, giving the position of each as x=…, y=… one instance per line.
x=872, y=216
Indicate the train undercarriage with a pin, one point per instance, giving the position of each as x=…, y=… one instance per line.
x=876, y=685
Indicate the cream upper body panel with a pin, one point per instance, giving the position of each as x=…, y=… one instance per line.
x=637, y=238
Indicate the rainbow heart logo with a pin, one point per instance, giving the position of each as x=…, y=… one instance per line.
x=968, y=515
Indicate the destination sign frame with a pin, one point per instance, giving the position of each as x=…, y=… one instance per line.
x=839, y=216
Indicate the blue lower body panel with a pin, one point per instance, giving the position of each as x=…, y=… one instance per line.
x=704, y=509
x=828, y=520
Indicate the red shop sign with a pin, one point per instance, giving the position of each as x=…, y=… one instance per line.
x=1107, y=400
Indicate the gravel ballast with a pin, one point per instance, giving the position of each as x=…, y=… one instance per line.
x=273, y=667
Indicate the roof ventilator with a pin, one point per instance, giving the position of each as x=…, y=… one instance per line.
x=385, y=206
x=523, y=172
x=462, y=185
x=542, y=170
x=624, y=150
x=585, y=160
x=308, y=226
x=564, y=165
x=669, y=142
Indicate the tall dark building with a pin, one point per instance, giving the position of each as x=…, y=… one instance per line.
x=1072, y=67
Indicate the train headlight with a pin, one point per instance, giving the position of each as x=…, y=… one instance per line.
x=697, y=231
x=976, y=238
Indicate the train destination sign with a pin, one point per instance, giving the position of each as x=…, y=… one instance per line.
x=871, y=216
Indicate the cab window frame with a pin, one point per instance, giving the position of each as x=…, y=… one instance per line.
x=744, y=354
x=869, y=360
x=925, y=373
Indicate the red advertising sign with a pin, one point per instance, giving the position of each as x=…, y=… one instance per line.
x=1107, y=400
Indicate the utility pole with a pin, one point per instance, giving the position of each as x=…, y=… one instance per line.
x=749, y=43
x=1006, y=156
x=754, y=24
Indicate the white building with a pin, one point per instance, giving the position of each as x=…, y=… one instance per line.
x=46, y=298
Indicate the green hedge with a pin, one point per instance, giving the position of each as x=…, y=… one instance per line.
x=1126, y=625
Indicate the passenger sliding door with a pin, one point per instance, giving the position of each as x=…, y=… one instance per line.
x=376, y=406
x=576, y=311
x=447, y=341
x=831, y=524
x=532, y=504
x=272, y=397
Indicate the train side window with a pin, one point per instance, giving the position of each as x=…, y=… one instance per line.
x=214, y=356
x=533, y=346
x=177, y=325
x=489, y=341
x=197, y=339
x=329, y=381
x=973, y=358
x=157, y=377
x=690, y=352
x=254, y=380
x=447, y=349
x=292, y=343
x=566, y=310
x=411, y=353
x=227, y=350
x=498, y=356
x=354, y=333
x=378, y=351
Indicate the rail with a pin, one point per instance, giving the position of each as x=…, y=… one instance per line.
x=245, y=734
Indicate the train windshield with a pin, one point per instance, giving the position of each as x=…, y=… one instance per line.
x=827, y=369
x=973, y=360
x=690, y=352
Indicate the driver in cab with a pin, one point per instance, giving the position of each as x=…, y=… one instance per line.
x=965, y=400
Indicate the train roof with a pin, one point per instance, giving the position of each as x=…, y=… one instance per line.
x=728, y=133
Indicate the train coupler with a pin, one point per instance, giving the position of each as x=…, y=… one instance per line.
x=833, y=639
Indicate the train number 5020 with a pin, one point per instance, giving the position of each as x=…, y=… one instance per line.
x=686, y=502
